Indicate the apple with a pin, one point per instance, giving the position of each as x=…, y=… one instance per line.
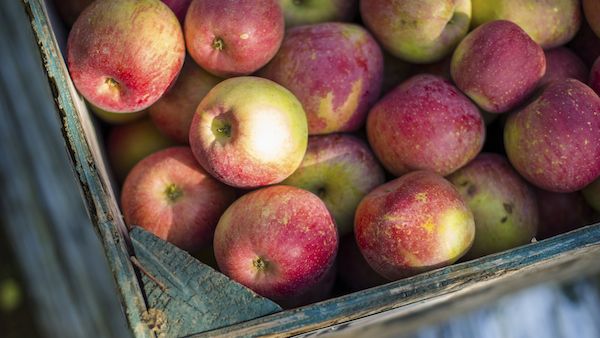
x=561, y=212
x=127, y=144
x=174, y=111
x=586, y=44
x=425, y=123
x=591, y=9
x=591, y=193
x=553, y=142
x=503, y=204
x=550, y=23
x=498, y=65
x=417, y=31
x=171, y=196
x=179, y=7
x=69, y=10
x=562, y=63
x=341, y=170
x=306, y=12
x=354, y=271
x=232, y=38
x=595, y=77
x=116, y=118
x=249, y=132
x=279, y=241
x=124, y=54
x=412, y=224
x=335, y=70
x=321, y=291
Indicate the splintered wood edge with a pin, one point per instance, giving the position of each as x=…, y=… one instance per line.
x=437, y=294
x=89, y=166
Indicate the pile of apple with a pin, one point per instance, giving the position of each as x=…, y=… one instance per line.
x=302, y=147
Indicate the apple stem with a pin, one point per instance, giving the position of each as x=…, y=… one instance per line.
x=112, y=83
x=173, y=192
x=218, y=44
x=260, y=264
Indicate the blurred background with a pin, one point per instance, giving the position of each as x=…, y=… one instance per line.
x=54, y=279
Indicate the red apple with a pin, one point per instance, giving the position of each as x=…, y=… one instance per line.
x=425, y=123
x=116, y=118
x=341, y=170
x=316, y=293
x=279, y=241
x=503, y=204
x=249, y=132
x=233, y=37
x=129, y=143
x=174, y=111
x=335, y=70
x=179, y=7
x=306, y=12
x=415, y=223
x=562, y=63
x=124, y=54
x=595, y=76
x=553, y=142
x=561, y=212
x=498, y=65
x=170, y=195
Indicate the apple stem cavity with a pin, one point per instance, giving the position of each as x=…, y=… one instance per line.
x=260, y=264
x=173, y=192
x=218, y=44
x=298, y=2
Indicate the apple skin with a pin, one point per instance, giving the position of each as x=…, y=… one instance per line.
x=171, y=196
x=249, y=132
x=412, y=224
x=595, y=76
x=321, y=291
x=341, y=170
x=233, y=37
x=124, y=54
x=561, y=212
x=425, y=123
x=354, y=271
x=498, y=65
x=562, y=63
x=127, y=144
x=116, y=118
x=174, y=111
x=553, y=142
x=591, y=9
x=179, y=7
x=334, y=69
x=279, y=241
x=417, y=31
x=550, y=23
x=503, y=204
x=308, y=12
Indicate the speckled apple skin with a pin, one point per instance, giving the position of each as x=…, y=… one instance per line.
x=289, y=229
x=591, y=9
x=504, y=205
x=188, y=221
x=173, y=112
x=425, y=123
x=561, y=64
x=550, y=23
x=594, y=80
x=341, y=170
x=251, y=32
x=421, y=31
x=497, y=65
x=562, y=212
x=335, y=70
x=412, y=224
x=139, y=44
x=553, y=142
x=308, y=12
x=269, y=133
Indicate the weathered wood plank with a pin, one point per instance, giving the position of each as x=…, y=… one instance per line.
x=187, y=296
x=436, y=294
x=89, y=165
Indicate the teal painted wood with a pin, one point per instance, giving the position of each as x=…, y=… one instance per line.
x=95, y=188
x=186, y=296
x=406, y=300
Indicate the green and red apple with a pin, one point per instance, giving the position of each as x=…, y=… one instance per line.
x=341, y=170
x=179, y=7
x=171, y=196
x=308, y=12
x=124, y=54
x=249, y=132
x=561, y=64
x=279, y=241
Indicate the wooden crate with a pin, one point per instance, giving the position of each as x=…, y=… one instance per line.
x=400, y=306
